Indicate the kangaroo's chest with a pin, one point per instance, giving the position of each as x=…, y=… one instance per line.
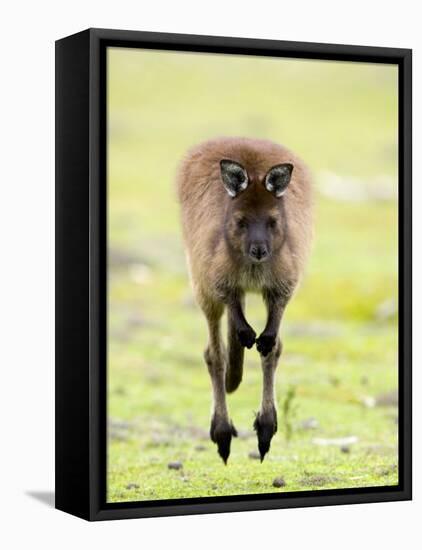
x=254, y=278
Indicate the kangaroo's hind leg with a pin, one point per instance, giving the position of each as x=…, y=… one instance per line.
x=222, y=429
x=269, y=346
x=266, y=420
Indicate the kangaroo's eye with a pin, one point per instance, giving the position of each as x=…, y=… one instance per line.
x=242, y=223
x=272, y=223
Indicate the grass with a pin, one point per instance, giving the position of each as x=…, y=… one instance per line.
x=340, y=353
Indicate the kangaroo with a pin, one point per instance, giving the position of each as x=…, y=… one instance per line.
x=246, y=211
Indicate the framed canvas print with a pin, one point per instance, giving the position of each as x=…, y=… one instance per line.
x=233, y=276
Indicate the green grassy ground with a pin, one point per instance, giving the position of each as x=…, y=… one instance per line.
x=338, y=375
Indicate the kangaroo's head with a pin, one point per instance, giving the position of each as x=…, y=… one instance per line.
x=254, y=224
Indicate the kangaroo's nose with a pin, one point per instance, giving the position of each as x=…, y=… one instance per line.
x=258, y=251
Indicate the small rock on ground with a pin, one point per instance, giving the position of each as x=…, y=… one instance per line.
x=279, y=482
x=175, y=465
x=254, y=455
x=132, y=486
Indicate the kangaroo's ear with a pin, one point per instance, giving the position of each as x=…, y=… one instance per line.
x=278, y=178
x=234, y=176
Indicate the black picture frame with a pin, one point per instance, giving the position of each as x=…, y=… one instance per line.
x=81, y=265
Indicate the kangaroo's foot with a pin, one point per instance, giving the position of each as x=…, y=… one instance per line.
x=265, y=426
x=221, y=433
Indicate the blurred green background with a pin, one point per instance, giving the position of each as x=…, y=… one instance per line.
x=337, y=379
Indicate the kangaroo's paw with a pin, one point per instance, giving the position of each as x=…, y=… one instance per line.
x=221, y=434
x=265, y=426
x=265, y=343
x=246, y=337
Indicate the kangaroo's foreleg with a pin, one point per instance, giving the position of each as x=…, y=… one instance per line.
x=276, y=304
x=222, y=429
x=245, y=333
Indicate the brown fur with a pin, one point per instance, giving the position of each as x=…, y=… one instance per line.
x=219, y=272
